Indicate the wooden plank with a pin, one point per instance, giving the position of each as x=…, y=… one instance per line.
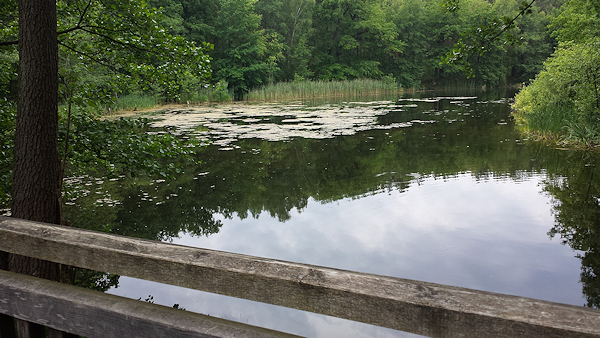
x=95, y=314
x=53, y=333
x=413, y=306
x=26, y=329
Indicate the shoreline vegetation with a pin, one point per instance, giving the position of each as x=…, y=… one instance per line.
x=562, y=105
x=293, y=90
x=319, y=89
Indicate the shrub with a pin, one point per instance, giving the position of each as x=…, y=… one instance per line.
x=564, y=99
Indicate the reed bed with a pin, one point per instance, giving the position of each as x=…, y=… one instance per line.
x=312, y=89
x=134, y=102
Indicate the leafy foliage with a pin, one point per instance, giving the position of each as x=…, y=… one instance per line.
x=351, y=38
x=564, y=99
x=480, y=38
x=258, y=42
x=7, y=134
x=575, y=190
x=126, y=146
x=95, y=280
x=577, y=21
x=125, y=36
x=245, y=55
x=8, y=52
x=292, y=22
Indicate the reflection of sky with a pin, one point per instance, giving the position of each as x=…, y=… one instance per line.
x=488, y=235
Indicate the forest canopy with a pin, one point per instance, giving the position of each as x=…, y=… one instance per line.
x=135, y=47
x=258, y=42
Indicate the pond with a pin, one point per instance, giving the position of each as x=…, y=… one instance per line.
x=436, y=187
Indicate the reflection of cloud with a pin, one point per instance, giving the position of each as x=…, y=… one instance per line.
x=490, y=236
x=479, y=232
x=278, y=318
x=482, y=234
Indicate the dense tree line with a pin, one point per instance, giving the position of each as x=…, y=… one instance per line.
x=258, y=42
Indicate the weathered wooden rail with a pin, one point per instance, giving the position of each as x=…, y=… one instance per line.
x=407, y=305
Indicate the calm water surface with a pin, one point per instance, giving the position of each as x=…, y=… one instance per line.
x=433, y=187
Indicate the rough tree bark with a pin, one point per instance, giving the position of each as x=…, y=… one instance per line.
x=36, y=160
x=35, y=175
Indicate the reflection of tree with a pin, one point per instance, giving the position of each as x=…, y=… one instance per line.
x=277, y=177
x=95, y=280
x=576, y=193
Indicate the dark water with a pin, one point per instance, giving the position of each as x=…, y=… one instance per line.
x=438, y=187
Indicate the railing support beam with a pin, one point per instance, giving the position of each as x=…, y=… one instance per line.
x=418, y=307
x=95, y=314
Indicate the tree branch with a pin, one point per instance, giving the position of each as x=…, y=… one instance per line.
x=76, y=27
x=510, y=23
x=124, y=44
x=98, y=61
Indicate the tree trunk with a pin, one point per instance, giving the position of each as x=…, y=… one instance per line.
x=35, y=175
x=36, y=161
x=35, y=178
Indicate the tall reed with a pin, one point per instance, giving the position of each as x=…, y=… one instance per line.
x=310, y=89
x=135, y=102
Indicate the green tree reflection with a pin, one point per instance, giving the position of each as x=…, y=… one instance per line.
x=574, y=185
x=259, y=176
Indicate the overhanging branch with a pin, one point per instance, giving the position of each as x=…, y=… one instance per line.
x=511, y=22
x=76, y=27
x=96, y=60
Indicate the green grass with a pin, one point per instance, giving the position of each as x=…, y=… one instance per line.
x=135, y=102
x=559, y=125
x=131, y=102
x=312, y=89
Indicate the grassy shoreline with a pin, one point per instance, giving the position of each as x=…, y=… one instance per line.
x=294, y=90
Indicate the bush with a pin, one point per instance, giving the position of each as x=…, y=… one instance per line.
x=564, y=99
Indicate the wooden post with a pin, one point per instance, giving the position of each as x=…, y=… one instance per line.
x=52, y=333
x=94, y=314
x=7, y=327
x=27, y=329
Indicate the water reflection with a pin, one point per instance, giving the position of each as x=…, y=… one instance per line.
x=573, y=182
x=435, y=188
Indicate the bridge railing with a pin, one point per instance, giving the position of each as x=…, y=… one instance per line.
x=418, y=307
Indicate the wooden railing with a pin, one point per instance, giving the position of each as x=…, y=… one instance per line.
x=407, y=305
